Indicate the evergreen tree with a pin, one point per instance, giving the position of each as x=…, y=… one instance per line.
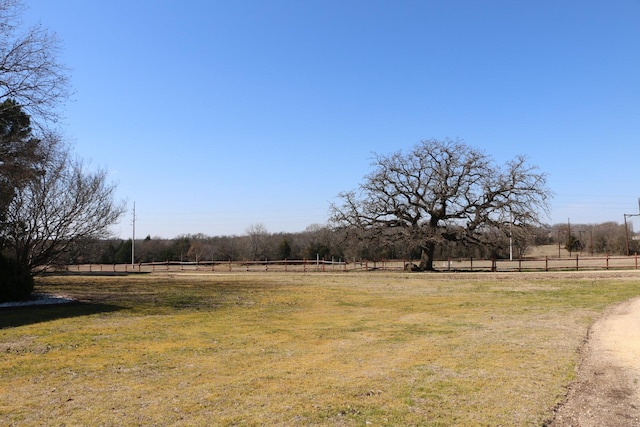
x=284, y=249
x=123, y=254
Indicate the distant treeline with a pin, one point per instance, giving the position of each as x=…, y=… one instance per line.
x=322, y=242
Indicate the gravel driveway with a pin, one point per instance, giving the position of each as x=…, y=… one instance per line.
x=607, y=389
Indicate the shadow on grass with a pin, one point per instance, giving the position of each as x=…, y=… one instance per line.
x=21, y=316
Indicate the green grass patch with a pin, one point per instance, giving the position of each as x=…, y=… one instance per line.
x=300, y=349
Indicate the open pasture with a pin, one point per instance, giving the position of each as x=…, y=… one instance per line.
x=345, y=349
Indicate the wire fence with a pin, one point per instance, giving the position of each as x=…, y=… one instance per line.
x=574, y=263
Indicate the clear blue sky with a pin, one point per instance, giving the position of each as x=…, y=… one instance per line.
x=216, y=115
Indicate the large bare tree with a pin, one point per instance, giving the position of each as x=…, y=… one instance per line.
x=33, y=85
x=257, y=241
x=30, y=72
x=442, y=191
x=48, y=201
x=62, y=206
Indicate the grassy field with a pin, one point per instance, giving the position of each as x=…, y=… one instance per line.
x=339, y=349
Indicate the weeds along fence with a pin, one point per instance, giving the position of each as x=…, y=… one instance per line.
x=574, y=263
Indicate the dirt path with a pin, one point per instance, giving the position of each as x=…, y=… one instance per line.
x=607, y=388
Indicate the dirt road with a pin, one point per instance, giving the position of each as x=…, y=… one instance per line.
x=607, y=389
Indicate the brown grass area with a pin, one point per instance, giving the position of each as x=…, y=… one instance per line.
x=300, y=349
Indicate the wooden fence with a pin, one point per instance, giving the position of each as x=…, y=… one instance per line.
x=574, y=263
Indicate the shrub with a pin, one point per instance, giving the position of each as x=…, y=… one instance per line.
x=15, y=285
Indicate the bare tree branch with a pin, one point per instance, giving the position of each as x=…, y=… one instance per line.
x=442, y=191
x=30, y=72
x=65, y=204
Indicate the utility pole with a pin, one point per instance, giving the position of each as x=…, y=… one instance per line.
x=626, y=229
x=133, y=239
x=511, y=236
x=569, y=239
x=559, y=256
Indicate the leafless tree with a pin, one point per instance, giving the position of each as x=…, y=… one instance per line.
x=226, y=247
x=257, y=234
x=64, y=205
x=442, y=191
x=30, y=73
x=321, y=241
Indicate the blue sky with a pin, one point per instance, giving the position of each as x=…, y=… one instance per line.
x=216, y=115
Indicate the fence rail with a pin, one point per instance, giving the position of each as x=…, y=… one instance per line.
x=574, y=263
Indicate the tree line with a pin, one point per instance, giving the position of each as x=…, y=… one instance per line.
x=324, y=242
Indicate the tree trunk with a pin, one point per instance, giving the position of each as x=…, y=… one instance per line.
x=426, y=257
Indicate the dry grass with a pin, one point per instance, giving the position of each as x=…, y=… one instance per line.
x=300, y=349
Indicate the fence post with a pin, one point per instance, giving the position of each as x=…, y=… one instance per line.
x=494, y=266
x=607, y=262
x=520, y=265
x=577, y=264
x=229, y=264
